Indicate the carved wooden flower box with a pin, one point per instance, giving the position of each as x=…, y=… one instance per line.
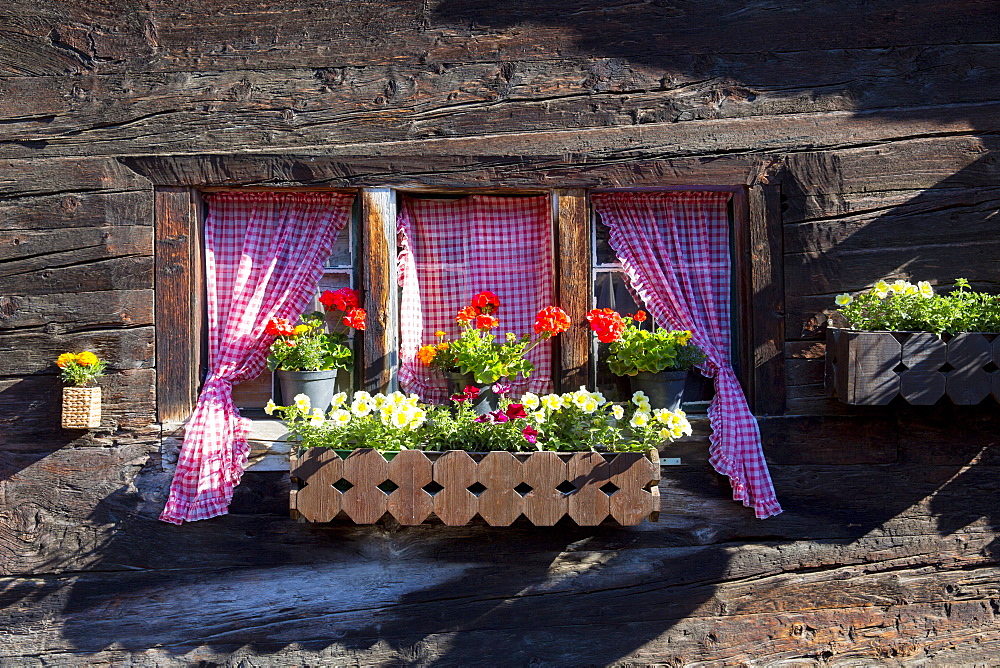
x=873, y=368
x=457, y=486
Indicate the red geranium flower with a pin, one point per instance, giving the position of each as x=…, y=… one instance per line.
x=551, y=320
x=355, y=318
x=486, y=302
x=466, y=315
x=343, y=299
x=486, y=322
x=640, y=316
x=279, y=327
x=608, y=324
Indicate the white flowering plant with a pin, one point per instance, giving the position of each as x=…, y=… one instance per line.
x=903, y=306
x=573, y=421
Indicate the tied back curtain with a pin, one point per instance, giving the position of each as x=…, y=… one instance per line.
x=454, y=249
x=674, y=250
x=264, y=255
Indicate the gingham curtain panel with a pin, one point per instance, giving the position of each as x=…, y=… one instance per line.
x=453, y=249
x=264, y=255
x=674, y=250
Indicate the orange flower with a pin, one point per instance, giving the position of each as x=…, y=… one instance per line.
x=426, y=355
x=439, y=334
x=551, y=320
x=640, y=316
x=65, y=360
x=486, y=322
x=355, y=318
x=466, y=315
x=86, y=359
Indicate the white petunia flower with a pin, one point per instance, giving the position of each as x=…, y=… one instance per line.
x=338, y=400
x=552, y=401
x=302, y=402
x=269, y=407
x=316, y=418
x=340, y=417
x=844, y=299
x=640, y=419
x=926, y=289
x=618, y=412
x=589, y=405
x=530, y=401
x=639, y=397
x=361, y=407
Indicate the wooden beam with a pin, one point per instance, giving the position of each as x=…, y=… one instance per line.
x=574, y=286
x=379, y=286
x=177, y=286
x=767, y=312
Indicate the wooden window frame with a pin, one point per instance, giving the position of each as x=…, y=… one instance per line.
x=178, y=284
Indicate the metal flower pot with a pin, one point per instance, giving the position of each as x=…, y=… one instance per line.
x=665, y=389
x=319, y=386
x=487, y=400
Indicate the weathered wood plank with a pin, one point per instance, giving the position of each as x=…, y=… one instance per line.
x=410, y=504
x=35, y=352
x=500, y=473
x=178, y=312
x=378, y=281
x=573, y=283
x=64, y=211
x=65, y=313
x=767, y=287
x=79, y=174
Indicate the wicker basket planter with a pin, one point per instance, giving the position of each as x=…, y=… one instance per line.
x=81, y=407
x=873, y=368
x=456, y=486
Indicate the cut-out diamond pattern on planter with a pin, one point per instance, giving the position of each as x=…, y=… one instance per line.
x=543, y=487
x=411, y=503
x=872, y=368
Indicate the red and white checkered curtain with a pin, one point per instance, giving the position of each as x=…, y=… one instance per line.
x=454, y=249
x=674, y=250
x=264, y=255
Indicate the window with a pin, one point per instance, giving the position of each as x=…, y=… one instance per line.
x=373, y=270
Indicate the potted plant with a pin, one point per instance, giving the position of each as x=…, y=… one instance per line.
x=656, y=361
x=479, y=357
x=545, y=457
x=305, y=357
x=81, y=401
x=904, y=339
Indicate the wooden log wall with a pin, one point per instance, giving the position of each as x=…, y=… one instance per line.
x=877, y=124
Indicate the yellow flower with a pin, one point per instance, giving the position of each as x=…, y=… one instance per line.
x=65, y=360
x=300, y=329
x=439, y=334
x=269, y=407
x=844, y=299
x=881, y=289
x=361, y=407
x=911, y=289
x=618, y=412
x=302, y=402
x=639, y=397
x=926, y=290
x=338, y=400
x=538, y=416
x=643, y=406
x=530, y=401
x=898, y=286
x=316, y=418
x=340, y=417
x=86, y=359
x=684, y=337
x=589, y=405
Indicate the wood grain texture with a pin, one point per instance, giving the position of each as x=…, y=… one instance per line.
x=178, y=252
x=767, y=285
x=378, y=280
x=574, y=287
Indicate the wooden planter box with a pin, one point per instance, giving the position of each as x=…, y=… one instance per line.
x=456, y=486
x=873, y=368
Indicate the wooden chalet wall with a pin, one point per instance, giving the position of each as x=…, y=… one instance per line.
x=874, y=127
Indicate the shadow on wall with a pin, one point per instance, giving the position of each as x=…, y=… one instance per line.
x=572, y=596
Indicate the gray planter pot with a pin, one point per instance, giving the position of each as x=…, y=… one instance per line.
x=319, y=386
x=486, y=402
x=873, y=368
x=665, y=389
